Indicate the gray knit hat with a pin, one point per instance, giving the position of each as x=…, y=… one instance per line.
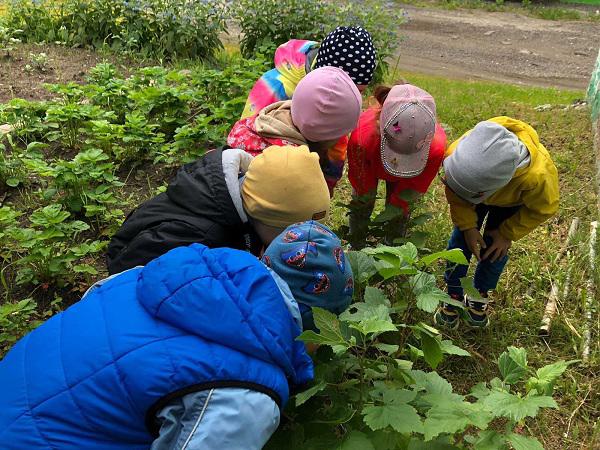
x=484, y=161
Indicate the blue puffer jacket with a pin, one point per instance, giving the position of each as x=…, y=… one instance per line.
x=93, y=376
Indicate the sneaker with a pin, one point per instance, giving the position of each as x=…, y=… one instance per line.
x=476, y=315
x=447, y=316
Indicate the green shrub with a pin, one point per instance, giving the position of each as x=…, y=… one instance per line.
x=371, y=389
x=270, y=23
x=148, y=28
x=8, y=39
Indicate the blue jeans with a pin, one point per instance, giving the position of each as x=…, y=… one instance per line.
x=487, y=273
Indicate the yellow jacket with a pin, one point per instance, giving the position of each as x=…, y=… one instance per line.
x=535, y=187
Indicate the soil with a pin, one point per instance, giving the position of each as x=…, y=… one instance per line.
x=499, y=46
x=64, y=65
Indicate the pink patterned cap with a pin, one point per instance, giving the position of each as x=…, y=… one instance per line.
x=407, y=127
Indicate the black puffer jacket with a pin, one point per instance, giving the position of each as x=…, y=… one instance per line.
x=197, y=207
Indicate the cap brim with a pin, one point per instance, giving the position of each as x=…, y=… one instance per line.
x=403, y=165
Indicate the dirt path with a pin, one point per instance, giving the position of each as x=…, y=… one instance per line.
x=476, y=44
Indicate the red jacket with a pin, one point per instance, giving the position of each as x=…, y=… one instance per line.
x=365, y=168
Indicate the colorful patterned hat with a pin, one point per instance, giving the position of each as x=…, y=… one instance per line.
x=308, y=256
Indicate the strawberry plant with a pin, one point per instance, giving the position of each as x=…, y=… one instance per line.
x=16, y=319
x=86, y=184
x=49, y=250
x=66, y=121
x=26, y=119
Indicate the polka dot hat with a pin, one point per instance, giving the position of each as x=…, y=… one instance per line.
x=350, y=49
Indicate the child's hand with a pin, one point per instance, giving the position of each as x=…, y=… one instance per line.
x=474, y=241
x=499, y=247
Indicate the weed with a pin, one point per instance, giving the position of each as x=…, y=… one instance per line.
x=38, y=62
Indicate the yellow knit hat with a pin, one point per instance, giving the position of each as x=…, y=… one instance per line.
x=285, y=185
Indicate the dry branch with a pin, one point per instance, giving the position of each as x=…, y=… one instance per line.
x=550, y=310
x=590, y=294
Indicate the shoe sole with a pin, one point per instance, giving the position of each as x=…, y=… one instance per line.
x=445, y=325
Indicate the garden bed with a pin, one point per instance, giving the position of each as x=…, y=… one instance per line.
x=519, y=303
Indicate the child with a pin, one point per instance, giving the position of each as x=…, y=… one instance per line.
x=225, y=199
x=197, y=350
x=407, y=158
x=499, y=169
x=325, y=107
x=349, y=48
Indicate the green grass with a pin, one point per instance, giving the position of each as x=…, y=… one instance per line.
x=523, y=289
x=582, y=2
x=541, y=11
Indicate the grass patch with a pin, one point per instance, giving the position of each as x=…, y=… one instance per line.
x=522, y=292
x=546, y=12
x=582, y=2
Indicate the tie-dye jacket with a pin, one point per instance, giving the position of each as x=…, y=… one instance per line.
x=279, y=83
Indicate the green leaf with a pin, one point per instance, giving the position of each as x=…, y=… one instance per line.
x=391, y=393
x=387, y=440
x=375, y=296
x=329, y=331
x=449, y=348
x=387, y=348
x=552, y=372
x=363, y=266
x=356, y=440
x=401, y=417
x=85, y=268
x=467, y=285
x=390, y=212
x=422, y=219
x=490, y=440
x=431, y=382
x=359, y=312
x=480, y=390
x=513, y=364
x=407, y=253
x=12, y=182
x=304, y=396
x=432, y=350
x=422, y=327
x=547, y=376
x=417, y=238
x=516, y=408
x=428, y=301
x=520, y=442
x=440, y=443
x=373, y=326
x=454, y=256
x=453, y=417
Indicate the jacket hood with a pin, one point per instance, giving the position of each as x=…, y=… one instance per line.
x=275, y=121
x=228, y=297
x=527, y=135
x=201, y=188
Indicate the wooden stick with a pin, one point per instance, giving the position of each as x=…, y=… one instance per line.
x=589, y=295
x=550, y=310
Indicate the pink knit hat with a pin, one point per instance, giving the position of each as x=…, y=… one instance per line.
x=326, y=104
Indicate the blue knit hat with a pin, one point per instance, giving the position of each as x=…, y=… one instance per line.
x=308, y=256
